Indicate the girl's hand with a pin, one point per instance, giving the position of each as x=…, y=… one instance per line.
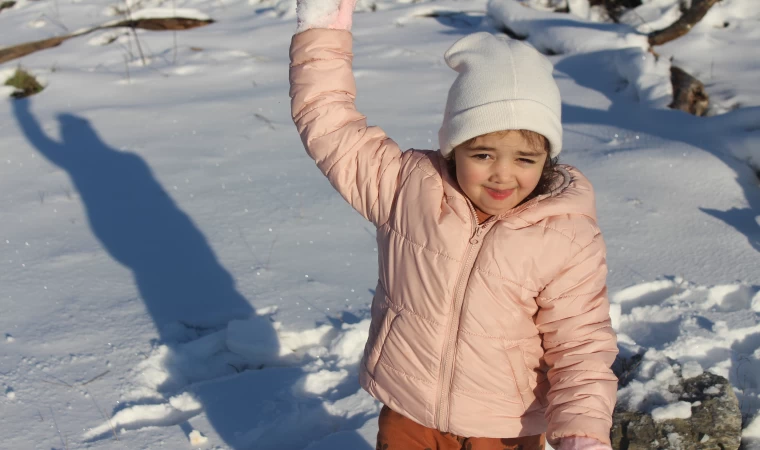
x=332, y=14
x=582, y=443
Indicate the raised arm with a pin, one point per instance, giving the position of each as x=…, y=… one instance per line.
x=580, y=346
x=361, y=162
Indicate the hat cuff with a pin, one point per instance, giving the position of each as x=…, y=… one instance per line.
x=502, y=116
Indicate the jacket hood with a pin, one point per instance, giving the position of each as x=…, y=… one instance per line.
x=572, y=194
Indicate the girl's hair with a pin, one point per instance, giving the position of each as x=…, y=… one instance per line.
x=548, y=174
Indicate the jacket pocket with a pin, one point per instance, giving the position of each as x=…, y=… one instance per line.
x=373, y=357
x=520, y=375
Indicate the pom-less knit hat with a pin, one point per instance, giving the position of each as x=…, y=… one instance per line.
x=503, y=84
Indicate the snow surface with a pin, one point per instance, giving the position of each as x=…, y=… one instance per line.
x=174, y=267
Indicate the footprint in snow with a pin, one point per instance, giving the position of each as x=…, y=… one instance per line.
x=646, y=294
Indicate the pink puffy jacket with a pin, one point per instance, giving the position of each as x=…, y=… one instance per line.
x=492, y=330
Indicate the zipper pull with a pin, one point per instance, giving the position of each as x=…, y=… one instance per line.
x=476, y=237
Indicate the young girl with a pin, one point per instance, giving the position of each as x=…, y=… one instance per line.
x=490, y=323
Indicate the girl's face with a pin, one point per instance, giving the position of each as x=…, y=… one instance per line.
x=499, y=170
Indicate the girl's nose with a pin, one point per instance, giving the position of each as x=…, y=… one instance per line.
x=502, y=173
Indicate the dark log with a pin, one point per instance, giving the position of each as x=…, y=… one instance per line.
x=162, y=24
x=684, y=24
x=689, y=94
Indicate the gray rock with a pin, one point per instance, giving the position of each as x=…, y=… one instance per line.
x=715, y=422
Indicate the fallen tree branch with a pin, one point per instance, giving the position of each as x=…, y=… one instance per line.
x=17, y=51
x=163, y=24
x=158, y=24
x=684, y=24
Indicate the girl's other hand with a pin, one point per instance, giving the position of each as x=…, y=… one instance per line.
x=582, y=443
x=332, y=14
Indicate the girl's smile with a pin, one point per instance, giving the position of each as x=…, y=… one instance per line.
x=499, y=194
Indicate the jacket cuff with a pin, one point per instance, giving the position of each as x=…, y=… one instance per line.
x=319, y=43
x=579, y=426
x=582, y=443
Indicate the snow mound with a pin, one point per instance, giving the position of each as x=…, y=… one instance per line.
x=646, y=77
x=563, y=33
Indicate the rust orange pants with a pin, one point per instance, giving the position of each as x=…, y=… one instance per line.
x=399, y=433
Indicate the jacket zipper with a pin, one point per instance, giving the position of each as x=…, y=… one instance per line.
x=446, y=372
x=447, y=365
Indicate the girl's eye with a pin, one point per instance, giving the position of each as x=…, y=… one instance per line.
x=527, y=161
x=481, y=156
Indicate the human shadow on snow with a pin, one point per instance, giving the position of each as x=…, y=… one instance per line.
x=712, y=134
x=180, y=281
x=177, y=273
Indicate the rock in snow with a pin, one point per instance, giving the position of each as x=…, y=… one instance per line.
x=706, y=416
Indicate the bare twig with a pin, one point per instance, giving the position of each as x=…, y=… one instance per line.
x=60, y=436
x=56, y=21
x=134, y=32
x=96, y=377
x=174, y=13
x=104, y=415
x=59, y=382
x=265, y=120
x=248, y=245
x=126, y=68
x=139, y=47
x=269, y=256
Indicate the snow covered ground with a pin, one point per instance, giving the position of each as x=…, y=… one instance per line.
x=176, y=273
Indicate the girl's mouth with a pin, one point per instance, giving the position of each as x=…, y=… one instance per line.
x=499, y=194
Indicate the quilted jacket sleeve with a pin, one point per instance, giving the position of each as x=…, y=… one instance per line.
x=580, y=347
x=361, y=162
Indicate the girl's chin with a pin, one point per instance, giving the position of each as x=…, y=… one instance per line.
x=494, y=208
x=493, y=211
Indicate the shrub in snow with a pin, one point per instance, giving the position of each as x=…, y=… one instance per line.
x=23, y=83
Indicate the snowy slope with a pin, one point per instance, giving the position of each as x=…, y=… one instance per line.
x=174, y=267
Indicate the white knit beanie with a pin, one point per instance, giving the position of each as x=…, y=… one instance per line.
x=503, y=84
